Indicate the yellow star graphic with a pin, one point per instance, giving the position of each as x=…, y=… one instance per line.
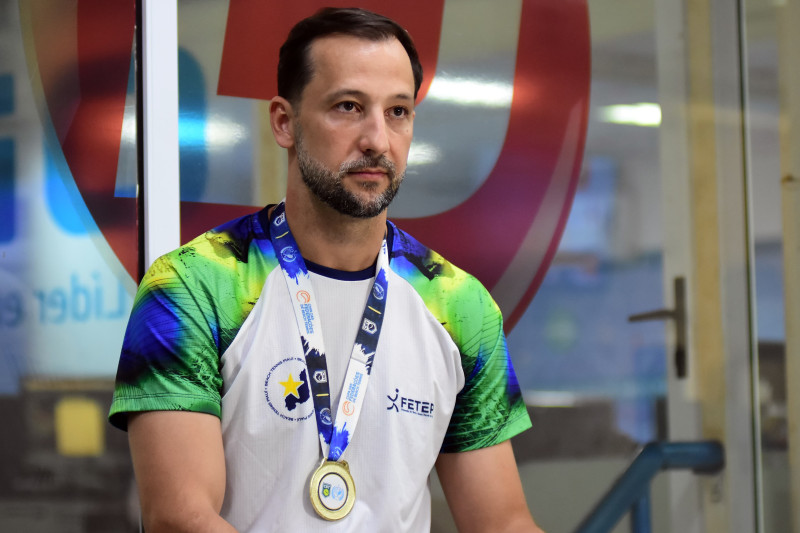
x=290, y=387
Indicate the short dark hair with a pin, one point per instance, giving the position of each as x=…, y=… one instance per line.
x=294, y=64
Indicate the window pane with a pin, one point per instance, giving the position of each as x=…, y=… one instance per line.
x=68, y=259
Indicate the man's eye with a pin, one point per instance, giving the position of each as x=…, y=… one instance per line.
x=399, y=111
x=348, y=107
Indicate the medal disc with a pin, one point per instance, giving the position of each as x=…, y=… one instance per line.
x=332, y=490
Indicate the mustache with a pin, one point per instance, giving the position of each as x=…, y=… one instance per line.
x=369, y=161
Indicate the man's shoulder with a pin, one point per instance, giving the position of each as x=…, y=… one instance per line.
x=445, y=288
x=455, y=298
x=411, y=259
x=231, y=240
x=225, y=248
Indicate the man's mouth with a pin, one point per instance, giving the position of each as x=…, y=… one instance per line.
x=369, y=172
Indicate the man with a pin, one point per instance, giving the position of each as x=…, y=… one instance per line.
x=248, y=404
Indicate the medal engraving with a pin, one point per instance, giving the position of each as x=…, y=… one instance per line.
x=332, y=490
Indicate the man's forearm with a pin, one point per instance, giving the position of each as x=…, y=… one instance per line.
x=198, y=522
x=523, y=524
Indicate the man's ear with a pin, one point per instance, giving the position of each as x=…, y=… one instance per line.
x=281, y=117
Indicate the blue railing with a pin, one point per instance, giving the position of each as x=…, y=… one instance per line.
x=631, y=492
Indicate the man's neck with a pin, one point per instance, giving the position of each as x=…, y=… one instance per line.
x=331, y=239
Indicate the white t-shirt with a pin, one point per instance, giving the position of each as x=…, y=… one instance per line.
x=213, y=330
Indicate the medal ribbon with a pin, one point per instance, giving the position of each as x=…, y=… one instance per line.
x=334, y=433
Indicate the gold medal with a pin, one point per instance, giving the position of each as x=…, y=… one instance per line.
x=332, y=490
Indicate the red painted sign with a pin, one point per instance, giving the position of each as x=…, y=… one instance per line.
x=83, y=53
x=505, y=233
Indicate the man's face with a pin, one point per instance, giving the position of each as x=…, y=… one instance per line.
x=329, y=186
x=354, y=123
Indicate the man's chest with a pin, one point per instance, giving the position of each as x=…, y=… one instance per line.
x=416, y=372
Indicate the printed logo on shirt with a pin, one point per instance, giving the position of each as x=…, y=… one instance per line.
x=303, y=296
x=288, y=254
x=308, y=318
x=325, y=416
x=279, y=219
x=348, y=408
x=351, y=394
x=320, y=376
x=369, y=326
x=286, y=390
x=378, y=292
x=404, y=404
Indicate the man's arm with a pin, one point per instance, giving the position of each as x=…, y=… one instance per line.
x=484, y=491
x=180, y=471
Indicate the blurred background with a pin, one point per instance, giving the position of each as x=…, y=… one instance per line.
x=593, y=132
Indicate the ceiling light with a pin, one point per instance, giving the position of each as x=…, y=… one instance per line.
x=469, y=91
x=423, y=154
x=641, y=114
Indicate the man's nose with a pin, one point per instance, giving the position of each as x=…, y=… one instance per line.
x=374, y=134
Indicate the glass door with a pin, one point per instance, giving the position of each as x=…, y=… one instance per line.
x=662, y=201
x=626, y=115
x=771, y=79
x=68, y=261
x=610, y=147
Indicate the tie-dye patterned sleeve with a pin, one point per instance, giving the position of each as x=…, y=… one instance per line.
x=489, y=409
x=190, y=305
x=169, y=357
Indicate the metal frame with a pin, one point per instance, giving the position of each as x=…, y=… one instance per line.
x=706, y=175
x=159, y=114
x=631, y=492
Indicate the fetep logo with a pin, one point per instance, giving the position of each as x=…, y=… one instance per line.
x=394, y=401
x=303, y=296
x=403, y=404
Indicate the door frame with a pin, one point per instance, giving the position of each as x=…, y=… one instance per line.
x=707, y=225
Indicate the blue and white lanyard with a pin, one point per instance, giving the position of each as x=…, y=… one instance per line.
x=335, y=430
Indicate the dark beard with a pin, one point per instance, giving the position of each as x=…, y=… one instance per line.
x=329, y=188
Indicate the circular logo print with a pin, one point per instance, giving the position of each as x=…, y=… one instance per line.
x=303, y=296
x=377, y=291
x=288, y=254
x=325, y=416
x=332, y=491
x=286, y=390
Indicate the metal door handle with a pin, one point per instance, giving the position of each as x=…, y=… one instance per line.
x=679, y=316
